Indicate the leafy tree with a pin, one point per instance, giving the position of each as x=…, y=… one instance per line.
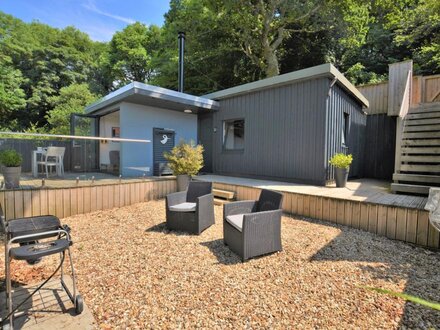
x=72, y=99
x=12, y=97
x=131, y=53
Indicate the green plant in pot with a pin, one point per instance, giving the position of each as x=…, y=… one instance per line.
x=11, y=167
x=341, y=163
x=185, y=160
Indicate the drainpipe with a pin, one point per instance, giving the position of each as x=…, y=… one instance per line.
x=181, y=39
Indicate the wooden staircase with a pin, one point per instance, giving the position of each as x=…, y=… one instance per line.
x=222, y=196
x=420, y=151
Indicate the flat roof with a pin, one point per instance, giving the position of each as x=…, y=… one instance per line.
x=145, y=94
x=324, y=70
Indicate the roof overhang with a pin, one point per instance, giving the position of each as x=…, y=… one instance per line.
x=149, y=95
x=324, y=70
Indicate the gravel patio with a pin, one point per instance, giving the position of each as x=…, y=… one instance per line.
x=134, y=273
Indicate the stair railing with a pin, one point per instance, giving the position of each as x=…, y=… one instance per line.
x=404, y=108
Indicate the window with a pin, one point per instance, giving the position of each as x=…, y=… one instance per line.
x=116, y=132
x=233, y=134
x=345, y=128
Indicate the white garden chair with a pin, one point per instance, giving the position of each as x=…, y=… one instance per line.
x=53, y=157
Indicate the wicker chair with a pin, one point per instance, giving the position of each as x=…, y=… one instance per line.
x=192, y=210
x=253, y=228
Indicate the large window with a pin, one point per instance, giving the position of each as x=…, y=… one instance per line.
x=233, y=134
x=345, y=129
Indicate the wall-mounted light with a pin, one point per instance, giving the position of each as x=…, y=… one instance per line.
x=187, y=111
x=215, y=129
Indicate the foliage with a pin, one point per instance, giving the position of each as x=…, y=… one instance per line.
x=131, y=53
x=341, y=160
x=408, y=297
x=72, y=99
x=185, y=158
x=10, y=158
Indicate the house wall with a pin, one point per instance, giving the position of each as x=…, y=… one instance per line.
x=106, y=123
x=284, y=133
x=137, y=122
x=338, y=103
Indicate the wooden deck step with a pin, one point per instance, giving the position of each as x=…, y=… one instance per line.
x=420, y=135
x=421, y=150
x=410, y=188
x=223, y=193
x=416, y=178
x=417, y=143
x=420, y=159
x=425, y=107
x=420, y=168
x=219, y=201
x=422, y=128
x=427, y=115
x=426, y=121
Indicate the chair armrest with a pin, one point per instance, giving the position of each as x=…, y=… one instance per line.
x=205, y=207
x=240, y=207
x=263, y=221
x=176, y=198
x=3, y=223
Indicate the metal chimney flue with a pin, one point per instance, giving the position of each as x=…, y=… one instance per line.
x=181, y=38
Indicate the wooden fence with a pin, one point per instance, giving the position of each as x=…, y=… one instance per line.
x=405, y=224
x=425, y=89
x=64, y=202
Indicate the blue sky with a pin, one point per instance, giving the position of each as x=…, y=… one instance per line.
x=98, y=18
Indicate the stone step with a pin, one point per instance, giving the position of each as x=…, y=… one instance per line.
x=430, y=179
x=410, y=188
x=223, y=193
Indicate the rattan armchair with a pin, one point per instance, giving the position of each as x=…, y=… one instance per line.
x=253, y=228
x=192, y=210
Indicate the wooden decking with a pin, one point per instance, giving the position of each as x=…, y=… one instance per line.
x=363, y=190
x=364, y=204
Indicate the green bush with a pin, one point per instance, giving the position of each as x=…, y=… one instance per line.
x=10, y=158
x=185, y=158
x=341, y=160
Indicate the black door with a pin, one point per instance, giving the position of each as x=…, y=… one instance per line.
x=205, y=138
x=163, y=140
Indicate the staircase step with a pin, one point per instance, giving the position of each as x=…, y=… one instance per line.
x=425, y=107
x=416, y=122
x=410, y=188
x=417, y=143
x=420, y=168
x=421, y=128
x=426, y=115
x=223, y=193
x=420, y=150
x=420, y=135
x=420, y=159
x=430, y=179
x=219, y=201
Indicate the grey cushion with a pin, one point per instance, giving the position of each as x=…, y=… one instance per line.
x=184, y=207
x=236, y=221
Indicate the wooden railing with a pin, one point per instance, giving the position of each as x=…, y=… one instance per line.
x=404, y=108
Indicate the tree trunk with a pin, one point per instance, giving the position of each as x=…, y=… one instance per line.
x=272, y=68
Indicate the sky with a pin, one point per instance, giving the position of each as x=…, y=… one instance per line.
x=100, y=19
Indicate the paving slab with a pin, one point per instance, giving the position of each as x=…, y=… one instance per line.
x=49, y=309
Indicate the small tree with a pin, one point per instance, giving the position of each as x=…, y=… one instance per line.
x=185, y=158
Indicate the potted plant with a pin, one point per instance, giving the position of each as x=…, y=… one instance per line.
x=185, y=160
x=342, y=163
x=11, y=167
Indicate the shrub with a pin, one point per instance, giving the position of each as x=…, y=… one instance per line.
x=185, y=158
x=341, y=160
x=10, y=158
